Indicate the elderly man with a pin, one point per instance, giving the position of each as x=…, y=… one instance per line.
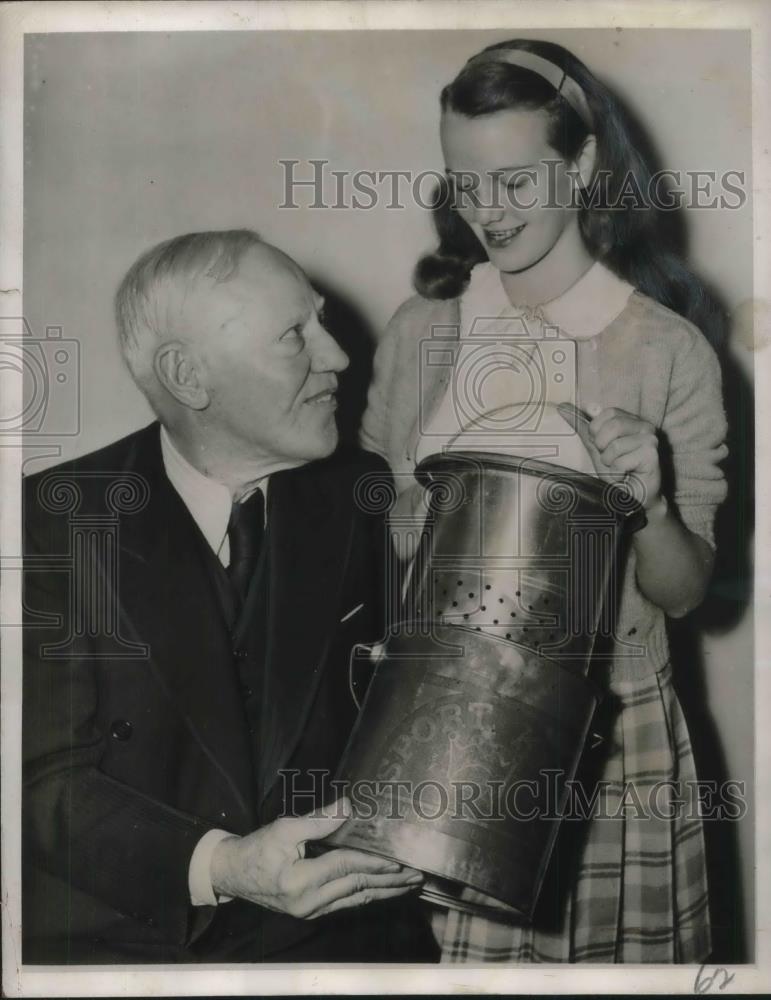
x=194, y=591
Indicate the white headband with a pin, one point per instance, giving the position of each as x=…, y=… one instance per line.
x=556, y=76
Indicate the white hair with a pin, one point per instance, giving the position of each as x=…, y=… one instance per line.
x=152, y=292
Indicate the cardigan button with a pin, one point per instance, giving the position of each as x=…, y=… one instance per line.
x=121, y=730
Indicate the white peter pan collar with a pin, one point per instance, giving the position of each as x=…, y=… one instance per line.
x=581, y=312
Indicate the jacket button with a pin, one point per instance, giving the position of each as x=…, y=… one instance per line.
x=121, y=730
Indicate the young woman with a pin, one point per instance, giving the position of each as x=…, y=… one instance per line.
x=537, y=152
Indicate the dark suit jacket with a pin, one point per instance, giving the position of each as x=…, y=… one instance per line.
x=135, y=737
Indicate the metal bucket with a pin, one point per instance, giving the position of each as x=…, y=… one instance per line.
x=523, y=550
x=478, y=710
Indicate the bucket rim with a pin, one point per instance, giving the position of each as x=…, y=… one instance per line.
x=626, y=508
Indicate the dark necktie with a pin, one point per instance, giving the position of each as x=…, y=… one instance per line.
x=245, y=530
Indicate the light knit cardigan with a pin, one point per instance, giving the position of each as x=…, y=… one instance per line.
x=651, y=362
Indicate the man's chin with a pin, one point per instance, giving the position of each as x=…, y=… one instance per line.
x=322, y=446
x=330, y=445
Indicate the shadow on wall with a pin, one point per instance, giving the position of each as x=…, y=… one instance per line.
x=729, y=597
x=728, y=600
x=352, y=332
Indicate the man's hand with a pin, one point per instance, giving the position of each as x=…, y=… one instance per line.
x=268, y=868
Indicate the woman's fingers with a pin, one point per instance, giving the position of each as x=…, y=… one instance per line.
x=601, y=417
x=582, y=429
x=621, y=443
x=637, y=459
x=612, y=424
x=641, y=461
x=617, y=454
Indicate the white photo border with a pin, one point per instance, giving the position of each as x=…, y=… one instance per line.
x=18, y=19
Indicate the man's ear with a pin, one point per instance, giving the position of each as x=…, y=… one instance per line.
x=586, y=160
x=178, y=371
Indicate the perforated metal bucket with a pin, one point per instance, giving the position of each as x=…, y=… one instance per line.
x=523, y=550
x=477, y=714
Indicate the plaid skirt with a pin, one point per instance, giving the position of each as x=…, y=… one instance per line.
x=628, y=884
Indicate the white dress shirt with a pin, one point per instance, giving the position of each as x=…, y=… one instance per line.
x=209, y=503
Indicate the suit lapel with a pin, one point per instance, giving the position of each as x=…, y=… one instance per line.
x=169, y=600
x=309, y=536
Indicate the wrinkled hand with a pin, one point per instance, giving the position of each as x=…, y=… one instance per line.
x=621, y=442
x=268, y=867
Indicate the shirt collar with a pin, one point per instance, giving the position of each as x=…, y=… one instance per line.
x=581, y=312
x=208, y=501
x=589, y=305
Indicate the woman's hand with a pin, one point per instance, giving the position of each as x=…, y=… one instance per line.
x=621, y=442
x=673, y=564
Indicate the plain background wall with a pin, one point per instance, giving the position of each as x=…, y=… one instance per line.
x=133, y=138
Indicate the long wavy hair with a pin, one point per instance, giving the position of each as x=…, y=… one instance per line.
x=631, y=242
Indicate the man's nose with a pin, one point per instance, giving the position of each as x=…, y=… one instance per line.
x=326, y=354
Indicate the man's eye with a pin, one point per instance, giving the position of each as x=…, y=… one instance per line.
x=292, y=333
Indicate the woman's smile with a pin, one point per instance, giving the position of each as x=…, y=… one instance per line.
x=499, y=238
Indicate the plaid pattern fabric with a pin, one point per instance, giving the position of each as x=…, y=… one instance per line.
x=625, y=885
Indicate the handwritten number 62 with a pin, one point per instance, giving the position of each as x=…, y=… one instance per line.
x=704, y=982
